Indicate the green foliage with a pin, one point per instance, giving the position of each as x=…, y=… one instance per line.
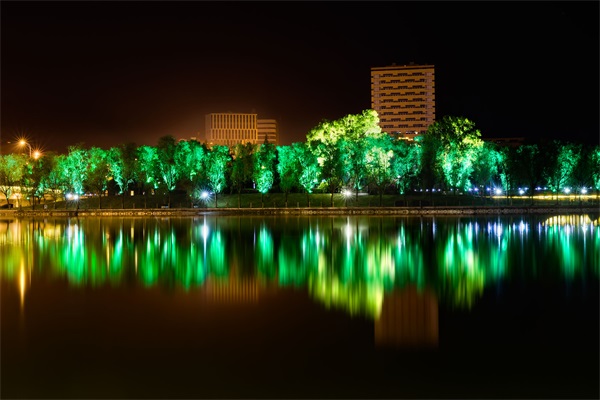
x=73, y=169
x=595, y=166
x=351, y=128
x=216, y=165
x=169, y=173
x=529, y=167
x=406, y=163
x=122, y=164
x=264, y=165
x=97, y=170
x=563, y=158
x=288, y=168
x=242, y=166
x=486, y=166
x=146, y=170
x=190, y=162
x=309, y=166
x=455, y=144
x=12, y=167
x=378, y=160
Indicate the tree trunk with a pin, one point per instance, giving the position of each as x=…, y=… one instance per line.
x=100, y=201
x=216, y=195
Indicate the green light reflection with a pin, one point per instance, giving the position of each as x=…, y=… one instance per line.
x=347, y=263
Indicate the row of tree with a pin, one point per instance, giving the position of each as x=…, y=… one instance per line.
x=351, y=154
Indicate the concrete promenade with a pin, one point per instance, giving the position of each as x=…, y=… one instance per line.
x=397, y=211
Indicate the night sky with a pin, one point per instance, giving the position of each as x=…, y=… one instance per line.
x=105, y=73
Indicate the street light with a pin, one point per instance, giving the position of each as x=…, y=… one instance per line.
x=23, y=142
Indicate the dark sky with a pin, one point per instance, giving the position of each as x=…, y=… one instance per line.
x=110, y=72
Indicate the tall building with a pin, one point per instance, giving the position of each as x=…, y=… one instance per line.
x=229, y=129
x=267, y=129
x=404, y=98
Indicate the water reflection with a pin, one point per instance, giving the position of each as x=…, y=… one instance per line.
x=390, y=269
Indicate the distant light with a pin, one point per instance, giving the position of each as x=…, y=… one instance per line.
x=498, y=191
x=521, y=192
x=583, y=190
x=346, y=193
x=37, y=154
x=567, y=190
x=204, y=195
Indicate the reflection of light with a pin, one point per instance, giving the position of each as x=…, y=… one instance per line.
x=22, y=283
x=522, y=227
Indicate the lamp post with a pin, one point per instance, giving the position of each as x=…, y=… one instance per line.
x=23, y=142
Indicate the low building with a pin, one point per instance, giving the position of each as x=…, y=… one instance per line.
x=229, y=129
x=267, y=130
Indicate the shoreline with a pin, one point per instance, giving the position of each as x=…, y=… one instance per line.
x=419, y=211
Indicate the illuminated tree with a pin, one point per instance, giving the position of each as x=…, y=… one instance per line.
x=54, y=180
x=41, y=179
x=563, y=158
x=406, y=163
x=457, y=143
x=595, y=167
x=530, y=167
x=97, y=172
x=242, y=167
x=31, y=179
x=122, y=164
x=217, y=168
x=583, y=174
x=351, y=127
x=146, y=169
x=189, y=158
x=288, y=168
x=167, y=168
x=330, y=139
x=330, y=162
x=352, y=154
x=486, y=166
x=264, y=165
x=74, y=168
x=431, y=174
x=309, y=168
x=507, y=168
x=11, y=172
x=378, y=160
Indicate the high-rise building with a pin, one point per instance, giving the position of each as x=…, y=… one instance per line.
x=404, y=98
x=267, y=129
x=229, y=129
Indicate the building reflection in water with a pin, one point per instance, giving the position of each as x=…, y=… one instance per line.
x=394, y=271
x=409, y=318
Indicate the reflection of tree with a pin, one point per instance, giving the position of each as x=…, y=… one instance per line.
x=346, y=263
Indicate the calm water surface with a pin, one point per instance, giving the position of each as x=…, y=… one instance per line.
x=300, y=307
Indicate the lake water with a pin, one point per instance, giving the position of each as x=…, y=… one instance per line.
x=300, y=307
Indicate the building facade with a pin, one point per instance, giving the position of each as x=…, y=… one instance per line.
x=229, y=129
x=404, y=98
x=267, y=129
